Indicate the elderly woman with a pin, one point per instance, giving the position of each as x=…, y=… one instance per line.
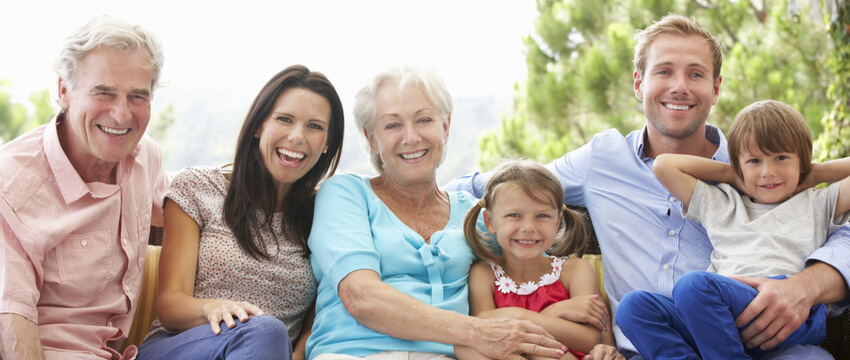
x=388, y=252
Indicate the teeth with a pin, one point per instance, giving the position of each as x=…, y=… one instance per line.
x=112, y=131
x=413, y=155
x=291, y=154
x=526, y=242
x=677, y=107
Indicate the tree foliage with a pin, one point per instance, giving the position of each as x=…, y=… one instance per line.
x=18, y=116
x=580, y=71
x=834, y=141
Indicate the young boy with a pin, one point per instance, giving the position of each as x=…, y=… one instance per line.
x=766, y=231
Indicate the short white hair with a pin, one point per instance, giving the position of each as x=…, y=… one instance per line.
x=365, y=108
x=115, y=33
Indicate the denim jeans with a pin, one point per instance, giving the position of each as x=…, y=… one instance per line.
x=698, y=321
x=261, y=337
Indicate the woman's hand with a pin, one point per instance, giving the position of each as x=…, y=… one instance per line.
x=225, y=310
x=588, y=309
x=509, y=338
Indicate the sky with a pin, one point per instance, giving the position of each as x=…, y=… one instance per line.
x=218, y=54
x=476, y=45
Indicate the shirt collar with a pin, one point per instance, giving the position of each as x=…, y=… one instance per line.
x=70, y=184
x=712, y=134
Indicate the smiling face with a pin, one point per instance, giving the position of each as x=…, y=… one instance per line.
x=770, y=178
x=294, y=135
x=408, y=133
x=524, y=227
x=677, y=88
x=107, y=111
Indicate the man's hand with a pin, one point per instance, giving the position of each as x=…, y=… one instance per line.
x=604, y=352
x=780, y=307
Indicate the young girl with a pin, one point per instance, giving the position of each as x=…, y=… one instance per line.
x=769, y=230
x=530, y=235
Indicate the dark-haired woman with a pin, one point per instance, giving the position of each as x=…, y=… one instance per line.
x=235, y=277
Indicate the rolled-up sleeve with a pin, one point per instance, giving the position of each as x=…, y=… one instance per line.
x=836, y=253
x=20, y=274
x=341, y=239
x=472, y=183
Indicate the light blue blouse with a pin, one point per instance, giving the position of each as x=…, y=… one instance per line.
x=353, y=230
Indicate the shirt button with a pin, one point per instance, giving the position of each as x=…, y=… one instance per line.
x=666, y=267
x=84, y=243
x=124, y=240
x=127, y=289
x=672, y=232
x=109, y=323
x=672, y=199
x=148, y=216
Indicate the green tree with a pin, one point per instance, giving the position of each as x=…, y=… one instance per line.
x=580, y=69
x=18, y=116
x=834, y=141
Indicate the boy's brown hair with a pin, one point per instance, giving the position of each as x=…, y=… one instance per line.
x=770, y=126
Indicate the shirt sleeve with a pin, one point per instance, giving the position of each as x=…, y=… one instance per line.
x=472, y=183
x=571, y=170
x=711, y=203
x=161, y=183
x=836, y=253
x=186, y=188
x=20, y=274
x=341, y=238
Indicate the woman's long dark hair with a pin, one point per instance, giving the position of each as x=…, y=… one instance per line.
x=252, y=186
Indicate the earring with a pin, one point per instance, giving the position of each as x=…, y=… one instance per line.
x=325, y=151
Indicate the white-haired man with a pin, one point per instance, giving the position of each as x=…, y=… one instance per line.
x=77, y=199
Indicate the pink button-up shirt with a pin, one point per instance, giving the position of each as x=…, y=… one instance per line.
x=73, y=253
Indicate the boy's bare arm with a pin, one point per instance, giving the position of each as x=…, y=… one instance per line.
x=679, y=173
x=832, y=171
x=827, y=172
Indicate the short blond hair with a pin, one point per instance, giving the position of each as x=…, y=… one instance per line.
x=679, y=25
x=770, y=126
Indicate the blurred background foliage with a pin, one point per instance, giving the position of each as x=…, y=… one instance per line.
x=579, y=81
x=19, y=115
x=580, y=70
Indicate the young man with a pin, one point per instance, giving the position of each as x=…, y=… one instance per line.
x=645, y=242
x=77, y=199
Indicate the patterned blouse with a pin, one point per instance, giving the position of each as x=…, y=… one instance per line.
x=282, y=286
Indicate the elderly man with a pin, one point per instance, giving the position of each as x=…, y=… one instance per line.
x=646, y=243
x=77, y=198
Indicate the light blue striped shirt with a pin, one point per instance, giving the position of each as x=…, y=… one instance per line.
x=646, y=243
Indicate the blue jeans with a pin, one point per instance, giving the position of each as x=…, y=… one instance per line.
x=261, y=337
x=698, y=321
